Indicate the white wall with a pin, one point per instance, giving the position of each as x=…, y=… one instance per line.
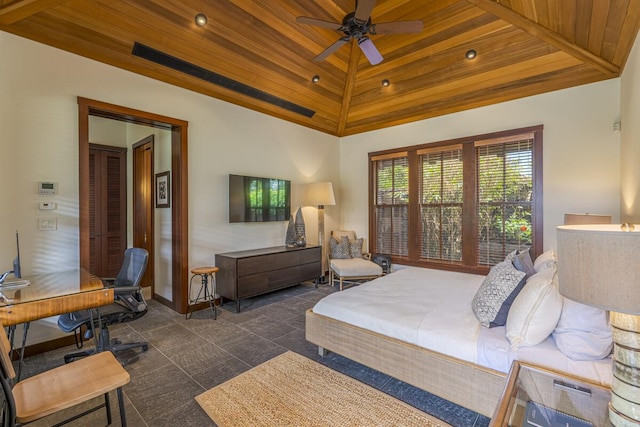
x=39, y=86
x=630, y=155
x=581, y=151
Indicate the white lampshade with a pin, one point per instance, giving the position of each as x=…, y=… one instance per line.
x=320, y=194
x=599, y=265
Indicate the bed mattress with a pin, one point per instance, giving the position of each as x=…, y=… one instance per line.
x=432, y=309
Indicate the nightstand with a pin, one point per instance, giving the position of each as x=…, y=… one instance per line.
x=538, y=397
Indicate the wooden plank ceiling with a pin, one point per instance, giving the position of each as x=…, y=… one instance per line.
x=525, y=47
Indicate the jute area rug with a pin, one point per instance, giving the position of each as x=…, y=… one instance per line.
x=291, y=390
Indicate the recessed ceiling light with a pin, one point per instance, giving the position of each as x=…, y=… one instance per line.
x=386, y=82
x=201, y=19
x=471, y=54
x=315, y=78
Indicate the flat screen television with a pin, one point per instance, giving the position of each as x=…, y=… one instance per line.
x=253, y=199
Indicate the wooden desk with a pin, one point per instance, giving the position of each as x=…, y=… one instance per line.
x=53, y=294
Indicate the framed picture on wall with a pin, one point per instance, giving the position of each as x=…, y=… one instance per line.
x=163, y=190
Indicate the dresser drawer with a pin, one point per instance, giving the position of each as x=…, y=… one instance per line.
x=310, y=255
x=310, y=271
x=265, y=282
x=253, y=265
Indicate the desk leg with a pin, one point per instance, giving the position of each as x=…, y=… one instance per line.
x=11, y=331
x=25, y=331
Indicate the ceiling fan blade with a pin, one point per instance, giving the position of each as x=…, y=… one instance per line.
x=397, y=27
x=318, y=23
x=363, y=10
x=370, y=50
x=328, y=51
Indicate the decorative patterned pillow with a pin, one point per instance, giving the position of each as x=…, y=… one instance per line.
x=511, y=255
x=356, y=248
x=502, y=279
x=340, y=250
x=501, y=317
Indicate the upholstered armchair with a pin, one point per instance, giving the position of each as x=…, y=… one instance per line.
x=348, y=261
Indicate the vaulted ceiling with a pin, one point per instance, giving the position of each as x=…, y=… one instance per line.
x=253, y=53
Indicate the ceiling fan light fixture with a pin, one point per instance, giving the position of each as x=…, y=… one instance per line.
x=369, y=50
x=315, y=79
x=201, y=19
x=385, y=83
x=471, y=54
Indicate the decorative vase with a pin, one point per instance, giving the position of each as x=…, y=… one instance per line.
x=301, y=237
x=290, y=238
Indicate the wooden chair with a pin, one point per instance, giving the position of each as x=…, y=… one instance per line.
x=60, y=388
x=351, y=269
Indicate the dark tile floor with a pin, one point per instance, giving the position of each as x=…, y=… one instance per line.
x=187, y=357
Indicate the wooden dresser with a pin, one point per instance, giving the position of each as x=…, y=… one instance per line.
x=245, y=274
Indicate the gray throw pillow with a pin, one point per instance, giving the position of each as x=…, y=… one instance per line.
x=356, y=248
x=523, y=262
x=502, y=279
x=339, y=250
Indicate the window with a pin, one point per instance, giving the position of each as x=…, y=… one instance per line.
x=462, y=204
x=441, y=200
x=392, y=204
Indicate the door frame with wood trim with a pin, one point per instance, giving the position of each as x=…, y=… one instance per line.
x=179, y=187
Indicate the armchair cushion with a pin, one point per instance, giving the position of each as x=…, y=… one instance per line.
x=355, y=267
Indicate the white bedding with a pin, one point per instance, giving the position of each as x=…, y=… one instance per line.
x=432, y=309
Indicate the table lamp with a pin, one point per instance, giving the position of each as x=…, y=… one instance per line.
x=320, y=194
x=599, y=265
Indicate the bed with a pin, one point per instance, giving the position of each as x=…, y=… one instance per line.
x=417, y=325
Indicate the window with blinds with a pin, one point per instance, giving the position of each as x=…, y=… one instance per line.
x=505, y=197
x=391, y=204
x=462, y=204
x=441, y=198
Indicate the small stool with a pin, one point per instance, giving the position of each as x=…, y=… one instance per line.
x=203, y=294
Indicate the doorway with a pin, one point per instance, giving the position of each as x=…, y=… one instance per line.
x=179, y=251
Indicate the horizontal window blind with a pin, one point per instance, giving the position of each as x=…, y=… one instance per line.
x=391, y=207
x=441, y=200
x=505, y=198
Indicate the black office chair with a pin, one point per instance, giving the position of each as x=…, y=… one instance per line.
x=128, y=305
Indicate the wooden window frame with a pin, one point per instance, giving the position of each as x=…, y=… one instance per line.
x=469, y=226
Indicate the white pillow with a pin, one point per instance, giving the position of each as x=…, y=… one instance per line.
x=583, y=332
x=536, y=310
x=545, y=260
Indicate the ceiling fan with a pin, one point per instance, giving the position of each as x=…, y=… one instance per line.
x=356, y=25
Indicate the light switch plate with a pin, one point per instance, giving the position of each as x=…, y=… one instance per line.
x=48, y=223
